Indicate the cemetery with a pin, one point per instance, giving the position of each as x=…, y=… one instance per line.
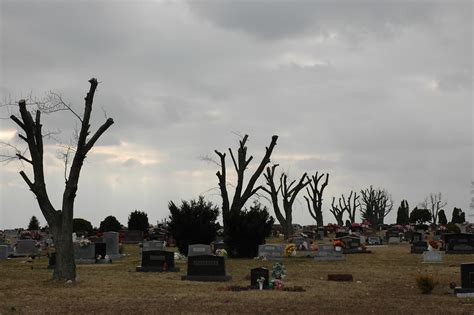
x=206, y=282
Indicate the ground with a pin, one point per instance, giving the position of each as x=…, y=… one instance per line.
x=384, y=283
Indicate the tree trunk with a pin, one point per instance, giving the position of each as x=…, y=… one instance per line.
x=65, y=268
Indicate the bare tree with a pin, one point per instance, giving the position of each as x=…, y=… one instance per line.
x=241, y=193
x=288, y=193
x=59, y=220
x=337, y=211
x=434, y=203
x=314, y=200
x=351, y=204
x=376, y=205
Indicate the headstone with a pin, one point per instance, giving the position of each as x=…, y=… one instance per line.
x=394, y=240
x=271, y=251
x=100, y=250
x=206, y=268
x=432, y=256
x=26, y=248
x=133, y=237
x=3, y=252
x=326, y=252
x=199, y=249
x=257, y=273
x=157, y=261
x=419, y=247
x=111, y=239
x=416, y=237
x=374, y=240
x=340, y=277
x=341, y=234
x=84, y=254
x=467, y=279
x=153, y=245
x=460, y=243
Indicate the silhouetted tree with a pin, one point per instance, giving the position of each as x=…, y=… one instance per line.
x=376, y=205
x=81, y=225
x=420, y=216
x=403, y=216
x=351, y=204
x=194, y=222
x=110, y=224
x=138, y=220
x=34, y=224
x=434, y=203
x=288, y=193
x=60, y=221
x=442, y=217
x=337, y=211
x=458, y=216
x=314, y=200
x=241, y=194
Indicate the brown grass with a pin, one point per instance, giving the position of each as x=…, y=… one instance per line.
x=384, y=283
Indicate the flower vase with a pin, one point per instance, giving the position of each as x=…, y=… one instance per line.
x=260, y=286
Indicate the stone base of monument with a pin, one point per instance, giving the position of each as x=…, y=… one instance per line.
x=340, y=277
x=207, y=278
x=155, y=269
x=464, y=292
x=356, y=251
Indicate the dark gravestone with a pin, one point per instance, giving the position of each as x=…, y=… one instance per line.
x=257, y=273
x=419, y=247
x=461, y=243
x=467, y=279
x=133, y=237
x=340, y=277
x=341, y=234
x=157, y=261
x=416, y=237
x=206, y=268
x=100, y=250
x=374, y=240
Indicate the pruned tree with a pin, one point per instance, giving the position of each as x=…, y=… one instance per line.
x=337, y=211
x=434, y=202
x=351, y=204
x=314, y=200
x=420, y=216
x=458, y=216
x=442, y=217
x=288, y=192
x=376, y=205
x=241, y=162
x=60, y=220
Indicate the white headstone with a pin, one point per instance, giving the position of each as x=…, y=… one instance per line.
x=433, y=256
x=199, y=249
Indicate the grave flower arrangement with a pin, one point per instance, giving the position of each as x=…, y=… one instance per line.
x=433, y=244
x=278, y=273
x=338, y=245
x=290, y=250
x=221, y=252
x=260, y=282
x=84, y=242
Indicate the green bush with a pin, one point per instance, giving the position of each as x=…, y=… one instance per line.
x=425, y=283
x=81, y=225
x=138, y=220
x=110, y=224
x=245, y=230
x=193, y=223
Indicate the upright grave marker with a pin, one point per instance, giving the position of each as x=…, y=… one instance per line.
x=206, y=268
x=271, y=251
x=157, y=261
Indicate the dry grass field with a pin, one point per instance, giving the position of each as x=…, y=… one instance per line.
x=384, y=283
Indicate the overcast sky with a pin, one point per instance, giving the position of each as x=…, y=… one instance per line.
x=375, y=93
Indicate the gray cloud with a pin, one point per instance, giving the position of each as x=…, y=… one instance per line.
x=374, y=93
